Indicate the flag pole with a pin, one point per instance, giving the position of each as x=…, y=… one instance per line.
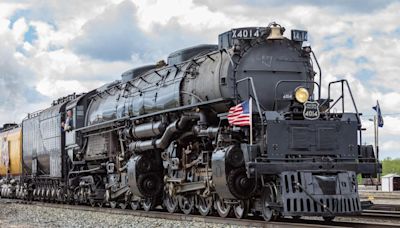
x=377, y=152
x=251, y=120
x=375, y=135
x=378, y=122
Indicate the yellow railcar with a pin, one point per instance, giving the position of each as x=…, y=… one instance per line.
x=11, y=152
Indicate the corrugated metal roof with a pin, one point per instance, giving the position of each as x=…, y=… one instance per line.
x=391, y=175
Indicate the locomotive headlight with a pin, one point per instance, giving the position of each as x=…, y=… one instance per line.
x=301, y=94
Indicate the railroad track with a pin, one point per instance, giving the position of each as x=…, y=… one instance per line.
x=250, y=222
x=378, y=197
x=393, y=215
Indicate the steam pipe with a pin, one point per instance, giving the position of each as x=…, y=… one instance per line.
x=165, y=139
x=146, y=130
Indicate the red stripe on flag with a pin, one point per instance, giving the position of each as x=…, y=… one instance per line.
x=237, y=117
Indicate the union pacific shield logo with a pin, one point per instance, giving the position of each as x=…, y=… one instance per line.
x=311, y=110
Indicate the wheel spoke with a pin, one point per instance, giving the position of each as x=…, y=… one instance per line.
x=241, y=209
x=186, y=204
x=171, y=203
x=92, y=202
x=223, y=209
x=204, y=205
x=135, y=205
x=113, y=204
x=268, y=198
x=123, y=205
x=148, y=204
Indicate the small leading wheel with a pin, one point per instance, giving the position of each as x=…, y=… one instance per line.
x=60, y=195
x=135, y=205
x=204, y=205
x=328, y=218
x=123, y=205
x=241, y=209
x=76, y=198
x=113, y=204
x=100, y=204
x=222, y=208
x=92, y=202
x=186, y=204
x=267, y=212
x=149, y=204
x=171, y=203
x=53, y=194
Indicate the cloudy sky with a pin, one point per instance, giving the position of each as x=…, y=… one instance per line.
x=52, y=48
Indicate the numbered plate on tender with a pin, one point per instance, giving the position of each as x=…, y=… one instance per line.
x=299, y=35
x=311, y=110
x=246, y=33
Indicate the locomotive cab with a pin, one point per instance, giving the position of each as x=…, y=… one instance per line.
x=75, y=115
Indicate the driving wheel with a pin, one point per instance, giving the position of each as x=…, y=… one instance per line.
x=222, y=208
x=186, y=204
x=204, y=205
x=241, y=209
x=171, y=203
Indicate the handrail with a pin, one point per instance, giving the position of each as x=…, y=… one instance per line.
x=257, y=104
x=320, y=73
x=254, y=92
x=342, y=82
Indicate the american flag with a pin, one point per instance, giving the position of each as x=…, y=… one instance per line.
x=240, y=115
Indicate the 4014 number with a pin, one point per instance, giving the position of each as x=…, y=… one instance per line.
x=245, y=33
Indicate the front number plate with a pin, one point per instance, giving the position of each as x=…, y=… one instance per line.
x=245, y=33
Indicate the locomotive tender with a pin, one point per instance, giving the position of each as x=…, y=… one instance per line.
x=161, y=136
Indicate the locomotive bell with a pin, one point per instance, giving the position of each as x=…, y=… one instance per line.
x=275, y=32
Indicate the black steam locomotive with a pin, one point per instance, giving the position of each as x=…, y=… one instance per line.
x=165, y=135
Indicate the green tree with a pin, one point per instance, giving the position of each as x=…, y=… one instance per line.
x=390, y=165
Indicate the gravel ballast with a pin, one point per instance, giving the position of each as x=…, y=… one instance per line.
x=21, y=215
x=33, y=215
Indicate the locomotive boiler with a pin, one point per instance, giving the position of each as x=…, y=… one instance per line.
x=167, y=135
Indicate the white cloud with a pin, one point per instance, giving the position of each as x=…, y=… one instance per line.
x=83, y=44
x=50, y=87
x=8, y=9
x=388, y=145
x=19, y=29
x=188, y=14
x=17, y=81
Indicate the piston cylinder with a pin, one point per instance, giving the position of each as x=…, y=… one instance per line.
x=147, y=130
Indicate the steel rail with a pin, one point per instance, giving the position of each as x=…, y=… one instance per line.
x=395, y=215
x=159, y=214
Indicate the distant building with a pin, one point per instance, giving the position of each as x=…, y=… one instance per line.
x=391, y=182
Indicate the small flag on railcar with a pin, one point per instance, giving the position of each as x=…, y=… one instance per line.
x=241, y=114
x=377, y=108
